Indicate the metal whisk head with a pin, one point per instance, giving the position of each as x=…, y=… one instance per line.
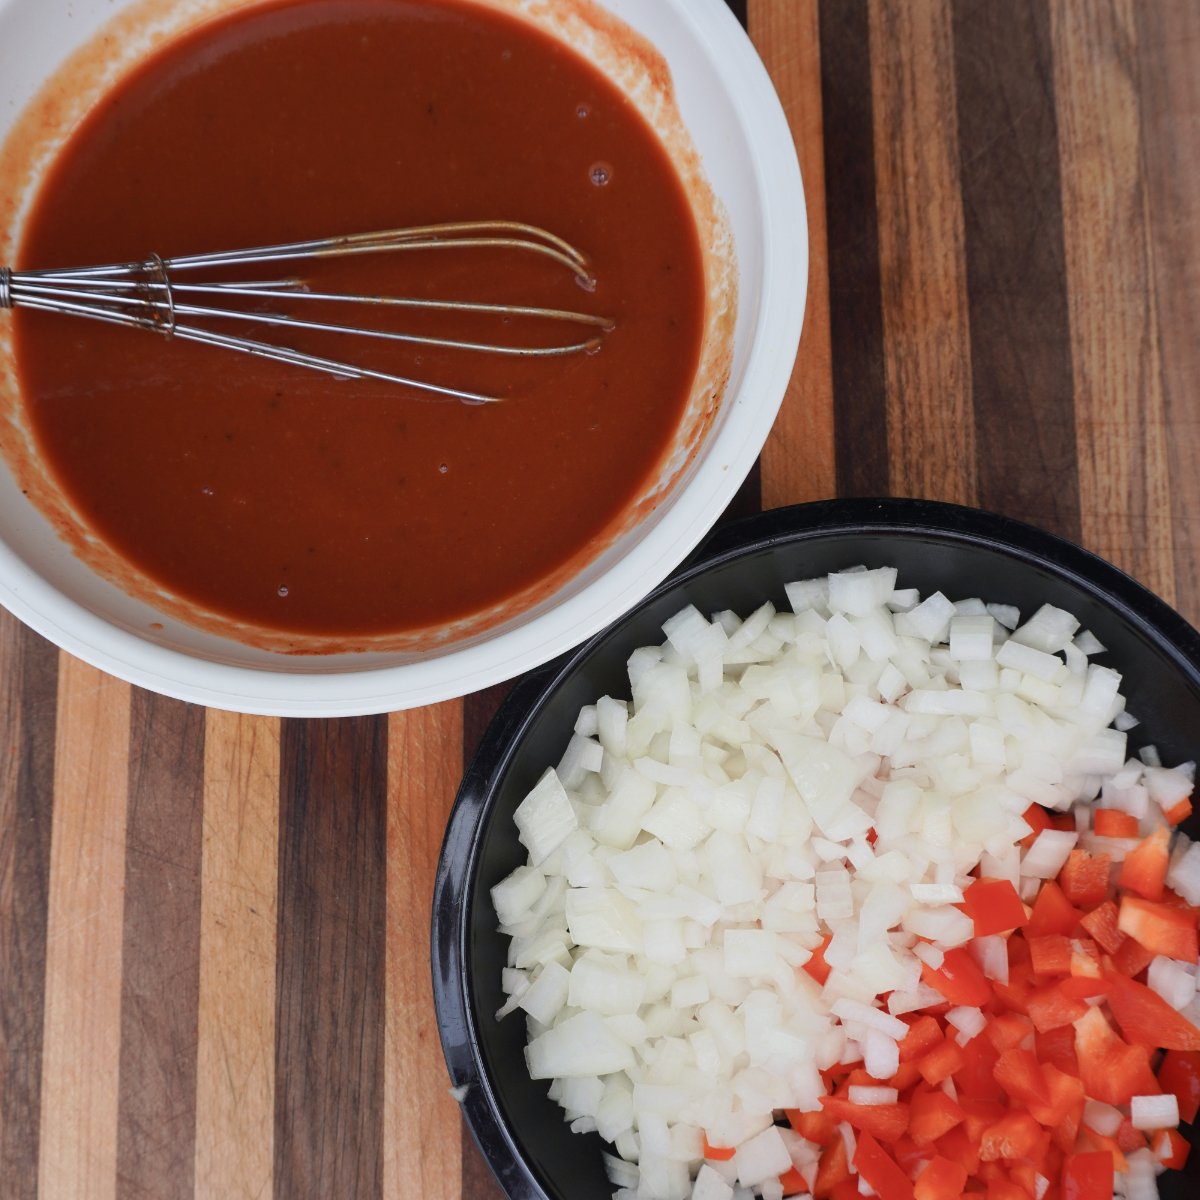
x=159, y=294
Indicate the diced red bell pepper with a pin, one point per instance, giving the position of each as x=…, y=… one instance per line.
x=1113, y=823
x=1050, y=954
x=1037, y=818
x=1052, y=912
x=923, y=1034
x=846, y=1190
x=884, y=1121
x=1132, y=958
x=1016, y=1135
x=816, y=966
x=959, y=1146
x=1021, y=1076
x=1090, y=1140
x=1128, y=1138
x=1000, y=1188
x=1171, y=1149
x=812, y=1126
x=933, y=1114
x=880, y=1170
x=1051, y=1007
x=938, y=1064
x=1144, y=870
x=1062, y=1113
x=1179, y=1074
x=718, y=1153
x=832, y=1170
x=941, y=1179
x=959, y=979
x=1057, y=1047
x=1111, y=1070
x=793, y=1183
x=1088, y=1177
x=1085, y=959
x=979, y=1115
x=1146, y=1019
x=906, y=1075
x=1101, y=924
x=976, y=1078
x=1008, y=1029
x=1178, y=812
x=1084, y=878
x=1160, y=928
x=994, y=906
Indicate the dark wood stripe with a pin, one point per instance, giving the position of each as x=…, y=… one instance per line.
x=329, y=1041
x=1168, y=79
x=855, y=299
x=28, y=699
x=160, y=967
x=478, y=710
x=1016, y=270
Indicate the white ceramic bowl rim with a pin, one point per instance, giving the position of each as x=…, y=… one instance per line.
x=726, y=460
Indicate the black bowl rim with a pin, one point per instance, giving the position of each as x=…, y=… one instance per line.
x=820, y=519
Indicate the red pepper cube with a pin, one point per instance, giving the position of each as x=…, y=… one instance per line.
x=941, y=1179
x=1088, y=1177
x=1179, y=1074
x=1084, y=878
x=1160, y=928
x=994, y=906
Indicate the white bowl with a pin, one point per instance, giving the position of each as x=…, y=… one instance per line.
x=739, y=130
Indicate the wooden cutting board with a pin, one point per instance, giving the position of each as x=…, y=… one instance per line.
x=214, y=965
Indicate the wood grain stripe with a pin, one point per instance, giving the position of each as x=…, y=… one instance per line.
x=798, y=459
x=931, y=431
x=330, y=967
x=1021, y=380
x=855, y=295
x=422, y=1135
x=77, y=1155
x=28, y=689
x=477, y=1180
x=235, y=1058
x=1115, y=344
x=1168, y=79
x=161, y=953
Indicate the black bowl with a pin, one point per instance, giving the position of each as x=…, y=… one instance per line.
x=961, y=552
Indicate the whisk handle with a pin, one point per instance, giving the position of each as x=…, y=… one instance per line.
x=6, y=300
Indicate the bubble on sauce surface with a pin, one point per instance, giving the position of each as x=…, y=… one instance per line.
x=600, y=174
x=282, y=590
x=583, y=111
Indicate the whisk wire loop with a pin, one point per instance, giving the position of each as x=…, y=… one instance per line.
x=152, y=295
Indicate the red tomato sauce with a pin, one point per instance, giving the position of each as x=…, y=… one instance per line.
x=274, y=496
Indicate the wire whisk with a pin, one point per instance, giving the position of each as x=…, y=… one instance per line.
x=164, y=295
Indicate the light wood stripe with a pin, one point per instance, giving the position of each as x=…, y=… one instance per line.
x=1115, y=343
x=421, y=1130
x=1168, y=47
x=78, y=1151
x=921, y=244
x=798, y=460
x=235, y=1085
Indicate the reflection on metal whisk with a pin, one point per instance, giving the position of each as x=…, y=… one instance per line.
x=155, y=295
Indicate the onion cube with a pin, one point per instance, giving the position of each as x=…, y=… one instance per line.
x=517, y=893
x=544, y=818
x=764, y=1156
x=710, y=1186
x=971, y=638
x=580, y=1045
x=1154, y=1112
x=750, y=952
